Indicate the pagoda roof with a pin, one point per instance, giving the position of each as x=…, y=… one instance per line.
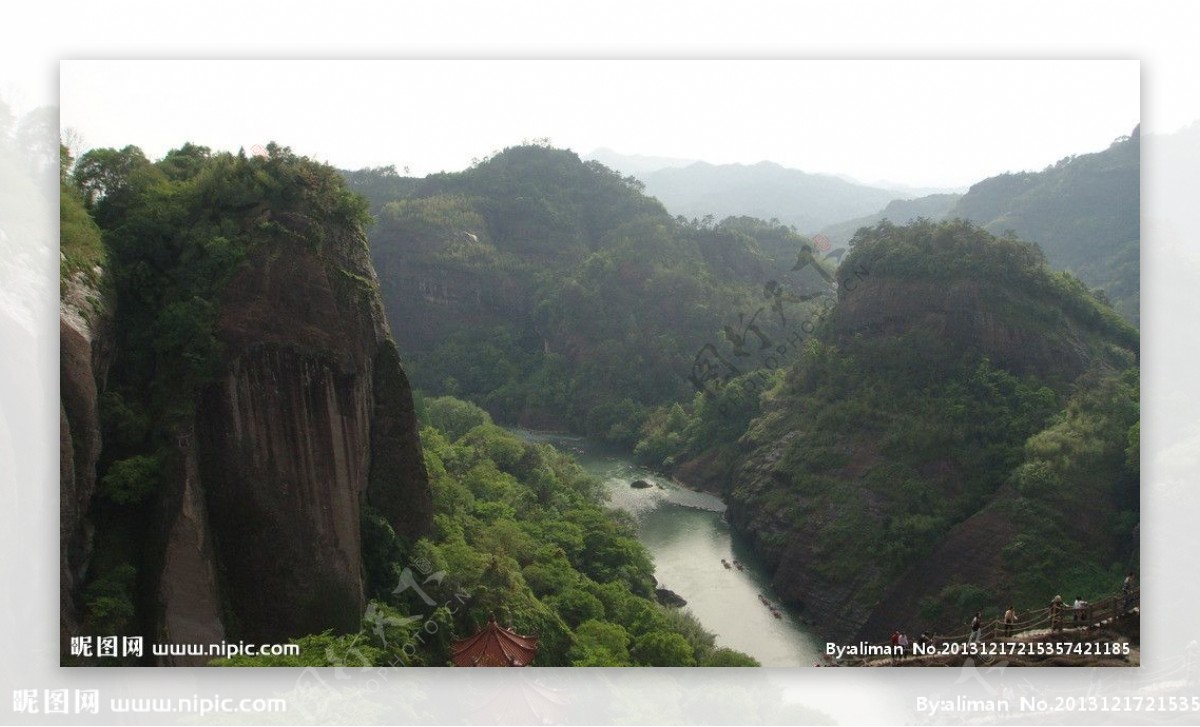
x=494, y=645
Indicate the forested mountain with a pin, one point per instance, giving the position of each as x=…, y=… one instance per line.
x=765, y=190
x=557, y=295
x=1084, y=211
x=380, y=185
x=960, y=432
x=958, y=396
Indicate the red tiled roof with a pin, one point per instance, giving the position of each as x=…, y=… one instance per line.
x=494, y=645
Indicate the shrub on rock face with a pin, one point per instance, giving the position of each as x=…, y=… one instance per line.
x=663, y=649
x=129, y=481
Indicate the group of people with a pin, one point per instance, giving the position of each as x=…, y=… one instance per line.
x=900, y=639
x=1080, y=610
x=1010, y=621
x=1058, y=608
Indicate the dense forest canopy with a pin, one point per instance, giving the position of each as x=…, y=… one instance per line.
x=555, y=293
x=521, y=534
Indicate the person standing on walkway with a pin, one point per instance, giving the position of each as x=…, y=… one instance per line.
x=976, y=626
x=1056, y=608
x=1010, y=618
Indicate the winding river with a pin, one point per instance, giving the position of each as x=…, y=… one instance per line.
x=686, y=533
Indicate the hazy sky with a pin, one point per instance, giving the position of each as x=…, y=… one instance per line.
x=910, y=122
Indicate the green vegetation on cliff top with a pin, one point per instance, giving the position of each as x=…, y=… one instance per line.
x=1084, y=211
x=171, y=233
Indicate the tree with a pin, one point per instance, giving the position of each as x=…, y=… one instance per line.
x=131, y=480
x=185, y=162
x=455, y=417
x=662, y=648
x=729, y=657
x=577, y=606
x=104, y=173
x=600, y=643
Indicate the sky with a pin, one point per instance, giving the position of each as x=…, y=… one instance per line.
x=916, y=123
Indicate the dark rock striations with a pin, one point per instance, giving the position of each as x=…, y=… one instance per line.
x=85, y=340
x=253, y=531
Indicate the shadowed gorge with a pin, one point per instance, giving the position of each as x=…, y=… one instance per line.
x=898, y=448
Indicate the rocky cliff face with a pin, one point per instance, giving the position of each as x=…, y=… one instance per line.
x=795, y=556
x=968, y=314
x=85, y=338
x=187, y=591
x=311, y=420
x=255, y=531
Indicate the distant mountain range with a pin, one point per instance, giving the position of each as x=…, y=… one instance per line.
x=766, y=190
x=1083, y=211
x=636, y=164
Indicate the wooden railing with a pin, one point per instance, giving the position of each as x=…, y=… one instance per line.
x=1064, y=618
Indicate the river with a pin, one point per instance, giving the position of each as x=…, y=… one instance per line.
x=686, y=533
